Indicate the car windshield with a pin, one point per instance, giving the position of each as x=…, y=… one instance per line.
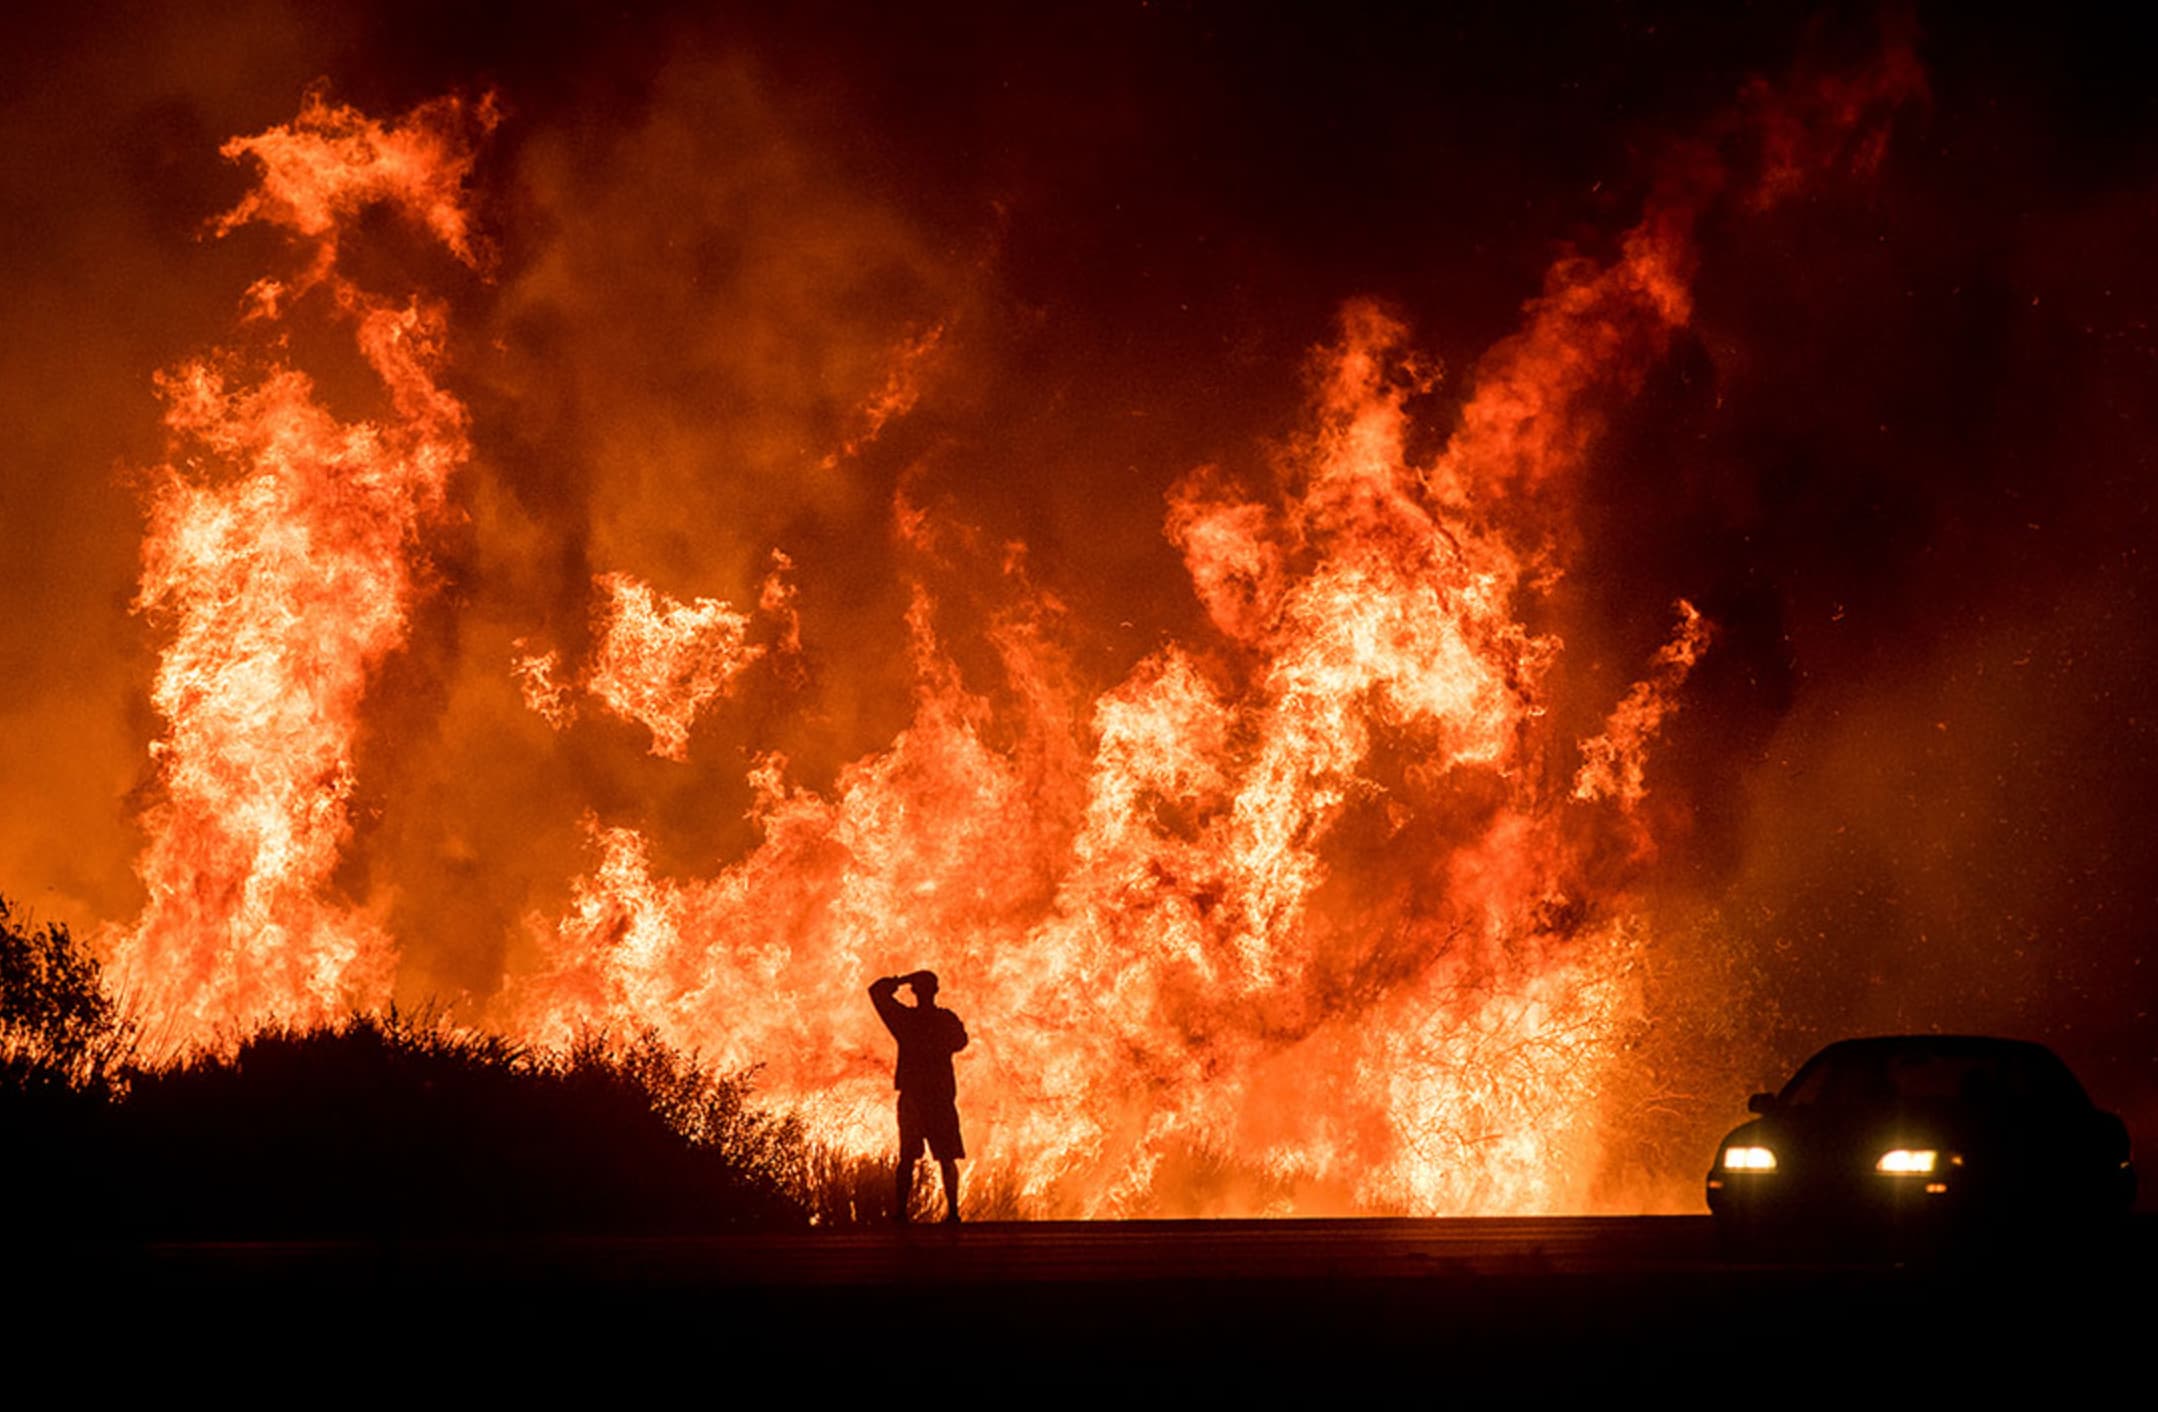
x=1846, y=1074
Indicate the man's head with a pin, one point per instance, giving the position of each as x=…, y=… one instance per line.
x=924, y=986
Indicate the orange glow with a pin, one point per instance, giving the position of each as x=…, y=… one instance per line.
x=1174, y=967
x=1327, y=886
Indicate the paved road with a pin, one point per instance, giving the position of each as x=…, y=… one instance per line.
x=1529, y=1308
x=1019, y=1253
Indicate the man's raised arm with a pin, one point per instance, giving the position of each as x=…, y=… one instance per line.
x=883, y=993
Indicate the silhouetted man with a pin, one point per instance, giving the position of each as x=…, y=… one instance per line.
x=928, y=1109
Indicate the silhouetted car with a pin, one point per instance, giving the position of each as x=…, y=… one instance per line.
x=1919, y=1139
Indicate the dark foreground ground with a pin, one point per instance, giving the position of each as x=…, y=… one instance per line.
x=1527, y=1309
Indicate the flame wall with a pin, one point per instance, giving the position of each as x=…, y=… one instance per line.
x=1332, y=675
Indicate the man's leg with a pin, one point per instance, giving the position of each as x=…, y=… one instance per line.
x=950, y=1169
x=910, y=1148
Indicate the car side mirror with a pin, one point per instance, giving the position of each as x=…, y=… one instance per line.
x=1761, y=1103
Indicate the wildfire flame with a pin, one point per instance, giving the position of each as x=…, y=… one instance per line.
x=1331, y=891
x=1139, y=894
x=902, y=389
x=660, y=661
x=281, y=555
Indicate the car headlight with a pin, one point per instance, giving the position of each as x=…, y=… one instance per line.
x=1908, y=1162
x=1748, y=1159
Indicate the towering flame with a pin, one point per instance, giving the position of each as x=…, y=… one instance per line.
x=281, y=561
x=1329, y=891
x=1329, y=894
x=1311, y=898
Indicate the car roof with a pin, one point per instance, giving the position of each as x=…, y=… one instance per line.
x=2036, y=1062
x=1940, y=1043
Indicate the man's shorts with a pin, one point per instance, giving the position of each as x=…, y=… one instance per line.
x=934, y=1121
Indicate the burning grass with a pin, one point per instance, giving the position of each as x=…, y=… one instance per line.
x=398, y=1124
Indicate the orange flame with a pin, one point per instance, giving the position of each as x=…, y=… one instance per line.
x=901, y=390
x=1167, y=966
x=1614, y=765
x=660, y=662
x=1312, y=902
x=280, y=554
x=1330, y=891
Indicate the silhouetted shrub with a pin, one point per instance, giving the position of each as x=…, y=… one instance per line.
x=841, y=1189
x=387, y=1125
x=58, y=1029
x=381, y=1125
x=64, y=1054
